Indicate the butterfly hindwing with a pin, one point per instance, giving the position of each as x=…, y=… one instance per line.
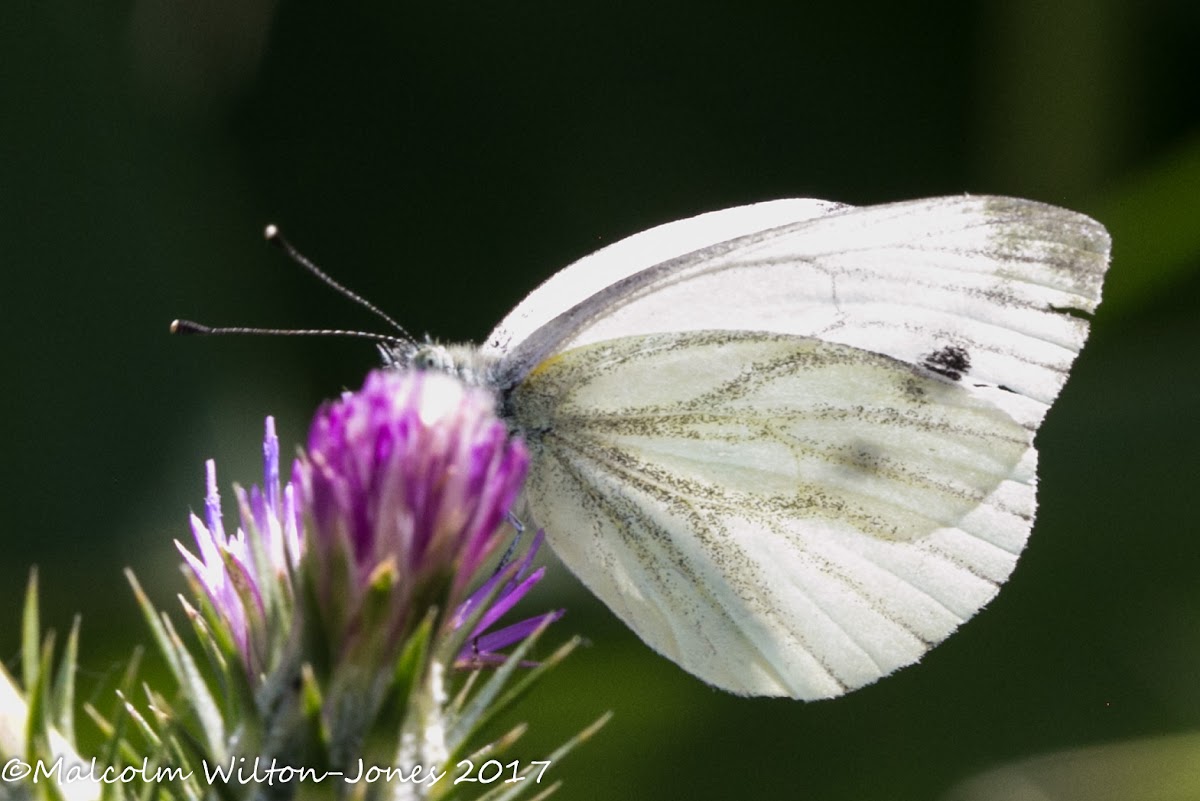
x=778, y=514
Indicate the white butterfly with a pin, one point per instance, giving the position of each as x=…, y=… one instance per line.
x=791, y=444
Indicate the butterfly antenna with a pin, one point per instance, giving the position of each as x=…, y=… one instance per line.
x=276, y=238
x=186, y=327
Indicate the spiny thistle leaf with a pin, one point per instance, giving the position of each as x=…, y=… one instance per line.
x=30, y=633
x=63, y=692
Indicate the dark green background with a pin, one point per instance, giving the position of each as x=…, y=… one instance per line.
x=442, y=158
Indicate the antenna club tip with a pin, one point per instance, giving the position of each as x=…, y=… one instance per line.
x=188, y=327
x=271, y=233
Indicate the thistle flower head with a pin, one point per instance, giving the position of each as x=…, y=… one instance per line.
x=402, y=495
x=411, y=478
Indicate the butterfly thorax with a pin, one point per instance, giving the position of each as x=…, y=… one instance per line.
x=463, y=361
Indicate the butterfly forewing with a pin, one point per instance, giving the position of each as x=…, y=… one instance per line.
x=996, y=278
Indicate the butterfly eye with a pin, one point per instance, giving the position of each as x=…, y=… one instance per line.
x=429, y=358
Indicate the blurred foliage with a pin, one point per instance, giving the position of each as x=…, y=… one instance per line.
x=443, y=158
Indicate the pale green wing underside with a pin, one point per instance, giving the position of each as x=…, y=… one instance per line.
x=777, y=514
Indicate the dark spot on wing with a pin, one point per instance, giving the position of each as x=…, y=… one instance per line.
x=951, y=361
